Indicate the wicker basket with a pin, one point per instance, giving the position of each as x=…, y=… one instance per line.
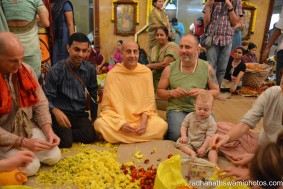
x=255, y=78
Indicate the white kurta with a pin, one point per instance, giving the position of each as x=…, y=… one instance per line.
x=268, y=106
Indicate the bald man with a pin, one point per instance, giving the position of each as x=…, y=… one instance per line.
x=128, y=111
x=182, y=81
x=25, y=121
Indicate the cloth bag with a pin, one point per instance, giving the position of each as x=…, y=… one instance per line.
x=169, y=174
x=205, y=40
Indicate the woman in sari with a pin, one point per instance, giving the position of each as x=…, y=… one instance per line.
x=23, y=19
x=63, y=26
x=157, y=17
x=162, y=54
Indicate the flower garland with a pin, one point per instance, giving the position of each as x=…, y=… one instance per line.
x=138, y=10
x=254, y=17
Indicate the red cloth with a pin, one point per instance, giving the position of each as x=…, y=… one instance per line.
x=248, y=143
x=199, y=30
x=27, y=90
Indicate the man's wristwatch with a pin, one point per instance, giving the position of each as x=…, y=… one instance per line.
x=229, y=10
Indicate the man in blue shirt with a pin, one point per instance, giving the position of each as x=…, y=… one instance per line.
x=68, y=84
x=179, y=28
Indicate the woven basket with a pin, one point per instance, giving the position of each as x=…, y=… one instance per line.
x=255, y=78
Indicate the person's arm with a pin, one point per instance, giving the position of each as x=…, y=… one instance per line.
x=273, y=38
x=161, y=65
x=70, y=22
x=18, y=160
x=236, y=81
x=212, y=82
x=162, y=89
x=43, y=16
x=234, y=18
x=238, y=131
x=207, y=12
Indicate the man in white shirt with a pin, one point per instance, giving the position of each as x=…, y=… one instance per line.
x=278, y=30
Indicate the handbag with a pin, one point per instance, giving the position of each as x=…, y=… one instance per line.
x=206, y=39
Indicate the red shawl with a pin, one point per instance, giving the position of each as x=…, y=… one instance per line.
x=26, y=87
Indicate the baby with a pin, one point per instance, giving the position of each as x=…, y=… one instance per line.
x=197, y=129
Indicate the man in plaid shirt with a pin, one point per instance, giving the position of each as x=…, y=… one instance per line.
x=218, y=53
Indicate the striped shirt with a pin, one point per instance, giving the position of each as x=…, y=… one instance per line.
x=65, y=92
x=225, y=32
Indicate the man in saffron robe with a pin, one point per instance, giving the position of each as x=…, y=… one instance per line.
x=128, y=110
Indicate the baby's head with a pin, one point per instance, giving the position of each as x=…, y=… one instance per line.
x=204, y=105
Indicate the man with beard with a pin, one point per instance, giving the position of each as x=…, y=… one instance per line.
x=182, y=81
x=71, y=88
x=128, y=111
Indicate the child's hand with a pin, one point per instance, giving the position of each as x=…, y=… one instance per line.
x=201, y=152
x=184, y=140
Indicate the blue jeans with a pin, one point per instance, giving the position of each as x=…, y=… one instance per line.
x=218, y=57
x=237, y=39
x=174, y=119
x=279, y=66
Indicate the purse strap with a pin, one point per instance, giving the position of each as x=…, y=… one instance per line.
x=81, y=81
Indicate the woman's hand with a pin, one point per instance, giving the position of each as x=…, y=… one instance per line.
x=242, y=160
x=233, y=89
x=18, y=160
x=218, y=140
x=240, y=173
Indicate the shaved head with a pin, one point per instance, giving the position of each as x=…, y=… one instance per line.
x=127, y=43
x=130, y=54
x=9, y=40
x=192, y=38
x=11, y=53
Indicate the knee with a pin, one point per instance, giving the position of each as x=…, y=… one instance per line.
x=90, y=137
x=97, y=124
x=32, y=168
x=53, y=157
x=66, y=143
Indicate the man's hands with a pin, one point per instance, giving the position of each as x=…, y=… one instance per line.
x=36, y=144
x=180, y=92
x=61, y=118
x=127, y=128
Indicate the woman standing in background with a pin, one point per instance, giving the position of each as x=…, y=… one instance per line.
x=157, y=17
x=63, y=26
x=23, y=17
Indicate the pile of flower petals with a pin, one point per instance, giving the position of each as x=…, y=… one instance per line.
x=88, y=169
